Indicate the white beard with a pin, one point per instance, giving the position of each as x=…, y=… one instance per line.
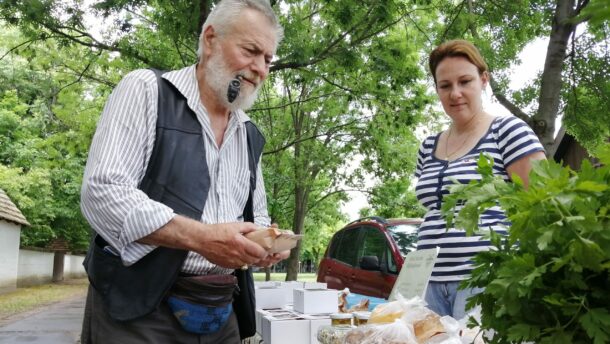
x=218, y=76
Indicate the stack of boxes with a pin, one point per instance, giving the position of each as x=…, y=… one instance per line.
x=293, y=310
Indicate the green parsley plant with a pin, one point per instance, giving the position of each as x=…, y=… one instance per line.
x=549, y=280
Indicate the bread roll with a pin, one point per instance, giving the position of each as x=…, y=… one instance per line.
x=428, y=327
x=274, y=240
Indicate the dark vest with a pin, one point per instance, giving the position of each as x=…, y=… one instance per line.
x=177, y=176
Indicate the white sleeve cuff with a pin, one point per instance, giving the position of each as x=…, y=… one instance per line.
x=140, y=222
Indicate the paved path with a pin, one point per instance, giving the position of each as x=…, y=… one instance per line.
x=59, y=323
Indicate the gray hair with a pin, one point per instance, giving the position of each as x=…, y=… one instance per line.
x=225, y=12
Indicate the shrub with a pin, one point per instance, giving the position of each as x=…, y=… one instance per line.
x=548, y=281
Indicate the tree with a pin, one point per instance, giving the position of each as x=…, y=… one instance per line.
x=394, y=199
x=348, y=86
x=338, y=100
x=587, y=97
x=46, y=124
x=502, y=29
x=332, y=96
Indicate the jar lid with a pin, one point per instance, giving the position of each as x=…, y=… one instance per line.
x=341, y=316
x=362, y=315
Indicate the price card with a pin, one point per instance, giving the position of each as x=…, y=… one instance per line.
x=415, y=273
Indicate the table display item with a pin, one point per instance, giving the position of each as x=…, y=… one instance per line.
x=341, y=319
x=329, y=334
x=361, y=318
x=275, y=240
x=428, y=327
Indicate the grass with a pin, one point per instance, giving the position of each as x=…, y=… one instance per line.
x=281, y=276
x=29, y=298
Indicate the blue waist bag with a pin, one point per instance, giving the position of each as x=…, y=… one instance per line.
x=202, y=304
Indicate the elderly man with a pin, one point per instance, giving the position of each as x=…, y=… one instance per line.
x=173, y=183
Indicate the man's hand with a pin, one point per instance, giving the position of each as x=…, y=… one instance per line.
x=225, y=245
x=273, y=258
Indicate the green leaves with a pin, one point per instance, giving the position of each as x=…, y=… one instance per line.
x=45, y=131
x=522, y=332
x=548, y=283
x=596, y=323
x=347, y=111
x=591, y=186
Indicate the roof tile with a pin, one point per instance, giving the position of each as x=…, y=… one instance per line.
x=9, y=212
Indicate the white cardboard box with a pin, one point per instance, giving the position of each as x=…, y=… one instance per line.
x=291, y=284
x=266, y=284
x=260, y=313
x=274, y=297
x=315, y=285
x=316, y=301
x=315, y=322
x=289, y=329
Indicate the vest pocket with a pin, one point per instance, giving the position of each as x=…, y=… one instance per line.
x=101, y=266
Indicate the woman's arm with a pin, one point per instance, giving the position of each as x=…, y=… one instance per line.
x=522, y=166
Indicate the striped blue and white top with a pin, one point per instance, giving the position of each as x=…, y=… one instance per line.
x=507, y=140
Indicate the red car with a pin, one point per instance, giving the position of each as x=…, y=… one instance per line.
x=367, y=255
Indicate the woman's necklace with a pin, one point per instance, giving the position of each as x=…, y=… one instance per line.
x=449, y=155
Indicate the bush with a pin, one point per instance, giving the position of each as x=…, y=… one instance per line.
x=548, y=281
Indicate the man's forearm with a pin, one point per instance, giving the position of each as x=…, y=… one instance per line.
x=178, y=233
x=223, y=244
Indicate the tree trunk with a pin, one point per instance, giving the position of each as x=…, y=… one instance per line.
x=205, y=7
x=300, y=205
x=268, y=273
x=58, y=266
x=543, y=122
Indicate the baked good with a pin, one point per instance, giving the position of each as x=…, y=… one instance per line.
x=343, y=301
x=385, y=313
x=363, y=305
x=428, y=327
x=264, y=237
x=274, y=240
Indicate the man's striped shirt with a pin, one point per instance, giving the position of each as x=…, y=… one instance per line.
x=507, y=140
x=119, y=154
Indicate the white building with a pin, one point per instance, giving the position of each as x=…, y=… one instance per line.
x=11, y=220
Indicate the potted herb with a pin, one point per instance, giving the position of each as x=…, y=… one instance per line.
x=549, y=280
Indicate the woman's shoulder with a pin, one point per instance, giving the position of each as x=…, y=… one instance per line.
x=508, y=121
x=504, y=126
x=428, y=143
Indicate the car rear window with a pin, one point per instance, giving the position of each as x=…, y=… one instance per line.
x=405, y=236
x=347, y=251
x=373, y=244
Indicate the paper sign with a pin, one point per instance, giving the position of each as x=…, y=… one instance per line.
x=415, y=273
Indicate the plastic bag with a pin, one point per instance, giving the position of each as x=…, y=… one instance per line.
x=354, y=299
x=472, y=335
x=451, y=335
x=397, y=332
x=409, y=311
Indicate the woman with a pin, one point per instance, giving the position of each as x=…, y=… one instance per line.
x=460, y=76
